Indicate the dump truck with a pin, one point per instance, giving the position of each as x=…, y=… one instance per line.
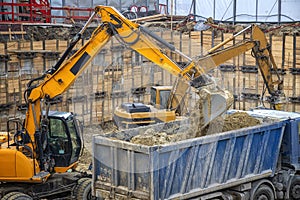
x=258, y=162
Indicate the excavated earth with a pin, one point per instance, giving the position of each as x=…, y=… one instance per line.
x=220, y=124
x=196, y=126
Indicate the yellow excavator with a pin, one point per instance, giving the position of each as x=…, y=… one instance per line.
x=169, y=103
x=38, y=157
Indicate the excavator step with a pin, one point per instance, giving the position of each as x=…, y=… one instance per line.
x=41, y=175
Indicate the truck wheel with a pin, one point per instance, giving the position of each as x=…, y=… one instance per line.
x=264, y=192
x=16, y=196
x=83, y=189
x=295, y=188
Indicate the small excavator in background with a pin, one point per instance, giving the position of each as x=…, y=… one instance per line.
x=38, y=157
x=168, y=103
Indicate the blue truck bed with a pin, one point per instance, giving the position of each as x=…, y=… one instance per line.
x=186, y=168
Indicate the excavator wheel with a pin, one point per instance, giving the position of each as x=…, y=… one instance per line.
x=16, y=196
x=83, y=189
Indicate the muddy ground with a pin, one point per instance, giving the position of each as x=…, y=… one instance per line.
x=85, y=159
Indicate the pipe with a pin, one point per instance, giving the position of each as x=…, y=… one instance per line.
x=228, y=40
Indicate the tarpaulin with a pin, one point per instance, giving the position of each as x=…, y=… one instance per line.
x=240, y=10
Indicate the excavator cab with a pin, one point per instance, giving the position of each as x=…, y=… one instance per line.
x=63, y=139
x=130, y=115
x=159, y=96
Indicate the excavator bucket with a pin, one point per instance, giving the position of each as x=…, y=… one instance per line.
x=213, y=103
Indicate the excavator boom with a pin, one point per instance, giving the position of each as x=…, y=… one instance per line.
x=261, y=51
x=141, y=39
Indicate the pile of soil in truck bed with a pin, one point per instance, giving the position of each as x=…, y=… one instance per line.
x=220, y=124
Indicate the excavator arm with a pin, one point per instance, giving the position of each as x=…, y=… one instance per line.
x=61, y=76
x=260, y=51
x=53, y=83
x=137, y=38
x=57, y=80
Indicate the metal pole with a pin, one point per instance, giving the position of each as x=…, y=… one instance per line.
x=256, y=11
x=172, y=10
x=214, y=10
x=234, y=11
x=294, y=66
x=167, y=6
x=228, y=40
x=194, y=10
x=279, y=11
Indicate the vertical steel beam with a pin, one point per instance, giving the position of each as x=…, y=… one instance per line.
x=294, y=66
x=279, y=11
x=214, y=10
x=194, y=7
x=283, y=51
x=234, y=11
x=167, y=5
x=256, y=11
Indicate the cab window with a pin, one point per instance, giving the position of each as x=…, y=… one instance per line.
x=153, y=96
x=57, y=129
x=73, y=134
x=163, y=97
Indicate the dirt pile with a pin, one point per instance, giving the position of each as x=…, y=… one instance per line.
x=239, y=120
x=274, y=29
x=150, y=138
x=234, y=121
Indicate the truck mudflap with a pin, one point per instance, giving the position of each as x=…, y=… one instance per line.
x=183, y=169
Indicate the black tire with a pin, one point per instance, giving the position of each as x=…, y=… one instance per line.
x=16, y=196
x=263, y=192
x=79, y=182
x=83, y=190
x=294, y=192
